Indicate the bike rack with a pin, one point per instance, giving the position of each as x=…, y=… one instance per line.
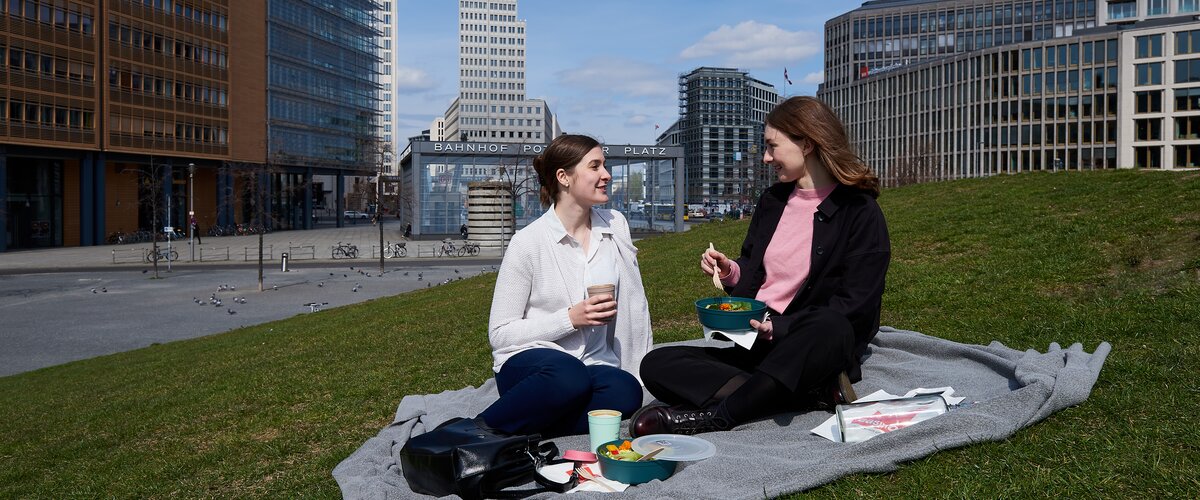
x=214, y=254
x=128, y=255
x=252, y=252
x=427, y=250
x=305, y=252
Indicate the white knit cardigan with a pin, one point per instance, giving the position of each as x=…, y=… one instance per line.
x=529, y=305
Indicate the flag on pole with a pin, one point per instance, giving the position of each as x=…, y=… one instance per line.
x=785, y=77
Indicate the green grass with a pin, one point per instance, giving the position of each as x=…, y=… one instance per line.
x=268, y=411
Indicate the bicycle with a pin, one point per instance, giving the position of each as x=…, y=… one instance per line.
x=345, y=251
x=448, y=249
x=152, y=256
x=399, y=249
x=469, y=248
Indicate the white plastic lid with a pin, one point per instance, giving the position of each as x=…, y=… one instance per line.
x=677, y=447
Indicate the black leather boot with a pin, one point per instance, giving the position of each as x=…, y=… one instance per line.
x=662, y=419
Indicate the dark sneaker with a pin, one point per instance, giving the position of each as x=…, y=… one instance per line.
x=662, y=419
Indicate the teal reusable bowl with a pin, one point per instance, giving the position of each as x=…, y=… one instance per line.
x=633, y=472
x=729, y=320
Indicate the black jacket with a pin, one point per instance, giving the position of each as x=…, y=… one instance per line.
x=850, y=254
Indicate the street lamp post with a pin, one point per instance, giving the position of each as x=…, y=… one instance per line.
x=192, y=208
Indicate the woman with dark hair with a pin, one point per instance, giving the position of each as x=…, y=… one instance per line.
x=816, y=252
x=557, y=352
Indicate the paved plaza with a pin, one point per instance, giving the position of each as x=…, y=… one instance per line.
x=64, y=304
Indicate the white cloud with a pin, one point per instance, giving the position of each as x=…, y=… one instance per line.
x=751, y=44
x=815, y=78
x=406, y=80
x=621, y=76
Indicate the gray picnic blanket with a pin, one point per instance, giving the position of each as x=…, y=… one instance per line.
x=1008, y=389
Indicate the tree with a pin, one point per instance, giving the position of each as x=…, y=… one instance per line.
x=520, y=180
x=918, y=164
x=255, y=196
x=152, y=182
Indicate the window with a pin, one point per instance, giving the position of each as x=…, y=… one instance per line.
x=1149, y=73
x=1148, y=129
x=1187, y=156
x=1189, y=6
x=1156, y=7
x=1147, y=157
x=1187, y=42
x=1187, y=99
x=1148, y=101
x=1148, y=46
x=1187, y=71
x=1187, y=127
x=1123, y=10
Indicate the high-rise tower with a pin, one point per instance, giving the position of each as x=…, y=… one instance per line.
x=491, y=104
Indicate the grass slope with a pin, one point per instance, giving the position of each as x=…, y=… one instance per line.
x=268, y=411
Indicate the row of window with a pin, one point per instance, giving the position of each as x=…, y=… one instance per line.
x=166, y=45
x=961, y=42
x=70, y=16
x=138, y=82
x=472, y=84
x=1186, y=71
x=969, y=18
x=492, y=40
x=501, y=134
x=1150, y=129
x=1151, y=101
x=1151, y=156
x=1186, y=42
x=482, y=108
x=46, y=115
x=483, y=96
x=503, y=63
x=1097, y=52
x=177, y=131
x=46, y=65
x=196, y=14
x=493, y=51
x=479, y=73
x=1129, y=10
x=491, y=28
x=512, y=122
x=1069, y=81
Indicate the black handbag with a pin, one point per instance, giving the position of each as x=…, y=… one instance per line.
x=461, y=458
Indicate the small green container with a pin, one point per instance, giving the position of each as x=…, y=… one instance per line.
x=633, y=472
x=729, y=320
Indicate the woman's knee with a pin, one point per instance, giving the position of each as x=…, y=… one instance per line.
x=560, y=375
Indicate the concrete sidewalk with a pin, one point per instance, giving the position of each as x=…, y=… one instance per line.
x=303, y=247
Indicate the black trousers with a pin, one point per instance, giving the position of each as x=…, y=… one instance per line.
x=818, y=346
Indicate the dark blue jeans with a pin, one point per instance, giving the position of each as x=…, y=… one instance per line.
x=550, y=392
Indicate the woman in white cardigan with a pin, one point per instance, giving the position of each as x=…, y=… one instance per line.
x=558, y=353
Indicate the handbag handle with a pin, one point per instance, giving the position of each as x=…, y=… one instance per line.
x=543, y=456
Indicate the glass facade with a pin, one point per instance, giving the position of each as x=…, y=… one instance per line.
x=643, y=187
x=321, y=111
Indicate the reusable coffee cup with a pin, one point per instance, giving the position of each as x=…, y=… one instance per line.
x=603, y=426
x=607, y=288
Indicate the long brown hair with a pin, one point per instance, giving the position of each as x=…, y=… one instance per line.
x=564, y=152
x=804, y=117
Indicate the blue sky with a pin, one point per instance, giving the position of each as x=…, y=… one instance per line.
x=609, y=68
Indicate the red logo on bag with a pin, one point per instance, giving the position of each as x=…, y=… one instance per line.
x=885, y=423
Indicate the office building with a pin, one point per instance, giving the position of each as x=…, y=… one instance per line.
x=491, y=103
x=1036, y=86
x=190, y=104
x=721, y=117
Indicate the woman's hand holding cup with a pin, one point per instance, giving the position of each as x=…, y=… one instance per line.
x=598, y=309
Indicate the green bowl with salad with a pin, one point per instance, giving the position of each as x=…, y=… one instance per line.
x=729, y=313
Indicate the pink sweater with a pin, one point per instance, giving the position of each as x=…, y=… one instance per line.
x=789, y=255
